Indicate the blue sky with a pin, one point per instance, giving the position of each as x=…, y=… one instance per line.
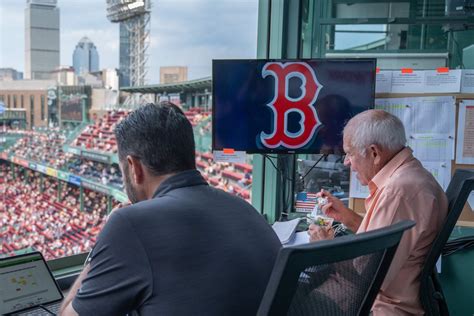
x=183, y=33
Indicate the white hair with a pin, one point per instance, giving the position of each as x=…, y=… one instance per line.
x=375, y=127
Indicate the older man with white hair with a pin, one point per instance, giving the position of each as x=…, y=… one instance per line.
x=400, y=188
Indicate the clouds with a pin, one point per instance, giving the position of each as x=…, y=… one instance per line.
x=88, y=18
x=195, y=33
x=12, y=35
x=183, y=32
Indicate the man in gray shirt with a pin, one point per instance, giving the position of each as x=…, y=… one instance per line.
x=181, y=247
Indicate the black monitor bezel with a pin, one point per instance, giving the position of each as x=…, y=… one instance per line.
x=284, y=150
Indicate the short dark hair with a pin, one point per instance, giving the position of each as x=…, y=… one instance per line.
x=159, y=135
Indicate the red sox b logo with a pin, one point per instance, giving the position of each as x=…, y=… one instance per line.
x=282, y=105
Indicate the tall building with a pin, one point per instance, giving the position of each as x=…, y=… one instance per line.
x=173, y=74
x=85, y=57
x=41, y=38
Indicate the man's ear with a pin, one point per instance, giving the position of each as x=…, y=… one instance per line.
x=136, y=169
x=375, y=154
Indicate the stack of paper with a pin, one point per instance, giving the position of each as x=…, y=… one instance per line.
x=299, y=239
x=286, y=230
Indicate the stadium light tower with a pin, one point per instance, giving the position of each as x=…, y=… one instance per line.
x=134, y=19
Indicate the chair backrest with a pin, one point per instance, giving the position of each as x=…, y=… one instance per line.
x=458, y=192
x=333, y=277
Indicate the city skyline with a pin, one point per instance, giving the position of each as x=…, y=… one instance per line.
x=190, y=33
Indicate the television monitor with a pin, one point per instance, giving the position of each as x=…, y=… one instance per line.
x=288, y=106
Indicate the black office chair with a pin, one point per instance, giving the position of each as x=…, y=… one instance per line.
x=431, y=293
x=333, y=277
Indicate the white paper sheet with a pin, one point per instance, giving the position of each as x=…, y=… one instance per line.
x=429, y=124
x=421, y=115
x=465, y=144
x=442, y=82
x=356, y=190
x=441, y=170
x=431, y=127
x=236, y=156
x=383, y=83
x=432, y=147
x=467, y=81
x=433, y=115
x=286, y=230
x=400, y=107
x=299, y=238
x=408, y=82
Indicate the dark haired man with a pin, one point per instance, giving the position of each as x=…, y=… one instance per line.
x=181, y=247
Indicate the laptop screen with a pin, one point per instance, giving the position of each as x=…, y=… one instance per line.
x=25, y=281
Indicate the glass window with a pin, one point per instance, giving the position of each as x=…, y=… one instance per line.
x=380, y=38
x=70, y=163
x=399, y=34
x=369, y=9
x=379, y=26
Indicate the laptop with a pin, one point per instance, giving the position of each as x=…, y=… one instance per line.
x=27, y=286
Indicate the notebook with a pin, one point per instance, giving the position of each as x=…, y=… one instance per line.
x=286, y=230
x=27, y=286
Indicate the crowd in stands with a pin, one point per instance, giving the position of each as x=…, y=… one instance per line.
x=100, y=172
x=100, y=135
x=34, y=216
x=200, y=120
x=33, y=212
x=235, y=178
x=9, y=129
x=46, y=148
x=197, y=115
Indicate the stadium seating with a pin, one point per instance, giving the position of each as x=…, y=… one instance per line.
x=196, y=115
x=100, y=135
x=45, y=221
x=34, y=214
x=100, y=172
x=235, y=178
x=46, y=148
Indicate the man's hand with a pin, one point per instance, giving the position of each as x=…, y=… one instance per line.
x=317, y=232
x=337, y=210
x=334, y=207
